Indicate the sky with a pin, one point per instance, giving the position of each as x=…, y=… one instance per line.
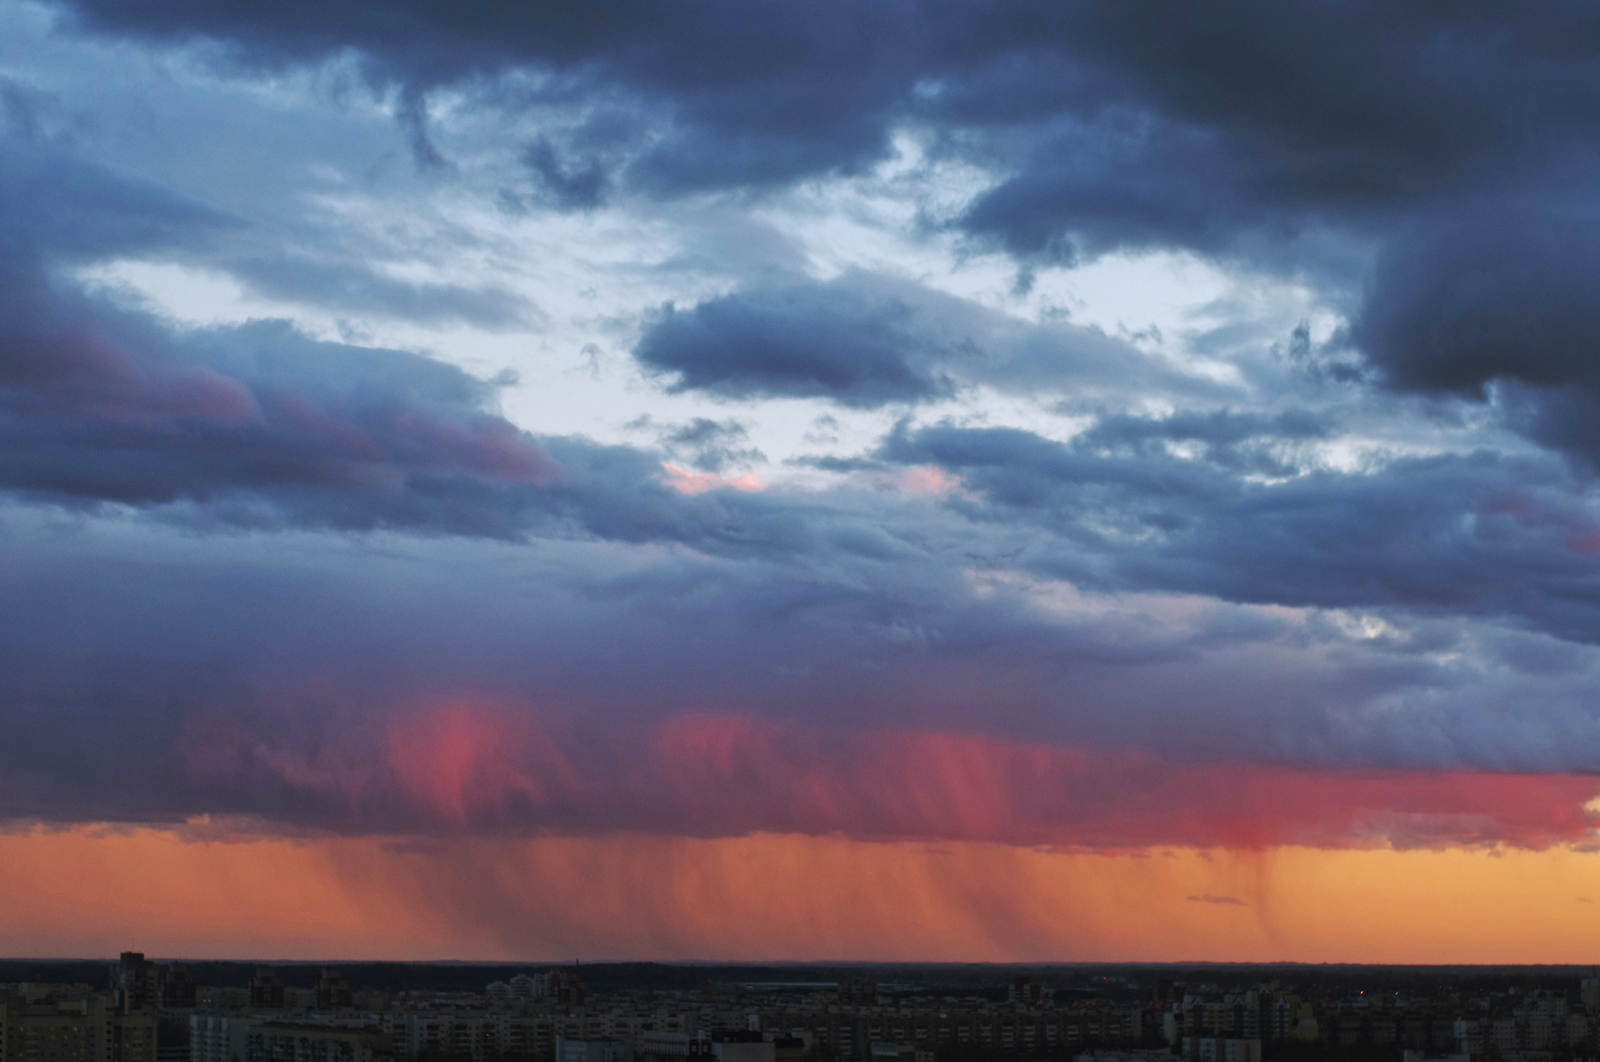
x=920, y=480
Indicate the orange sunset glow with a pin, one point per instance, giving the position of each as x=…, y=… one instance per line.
x=89, y=890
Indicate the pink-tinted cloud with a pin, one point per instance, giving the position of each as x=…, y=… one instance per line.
x=926, y=479
x=467, y=762
x=106, y=404
x=684, y=481
x=488, y=447
x=92, y=373
x=748, y=775
x=476, y=766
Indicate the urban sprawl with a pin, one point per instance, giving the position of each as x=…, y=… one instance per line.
x=150, y=1012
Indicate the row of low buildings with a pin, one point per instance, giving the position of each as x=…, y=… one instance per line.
x=218, y=1038
x=74, y=1023
x=1538, y=1021
x=465, y=1035
x=267, y=992
x=548, y=1016
x=843, y=1033
x=1199, y=1029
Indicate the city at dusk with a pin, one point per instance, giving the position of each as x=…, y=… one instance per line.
x=761, y=531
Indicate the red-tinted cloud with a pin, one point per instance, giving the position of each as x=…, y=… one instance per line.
x=463, y=763
x=740, y=774
x=471, y=766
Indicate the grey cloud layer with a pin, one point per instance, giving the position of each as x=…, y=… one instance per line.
x=1303, y=140
x=276, y=233
x=156, y=673
x=128, y=696
x=1351, y=106
x=100, y=403
x=866, y=340
x=1476, y=533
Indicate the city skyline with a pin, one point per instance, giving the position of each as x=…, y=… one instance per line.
x=944, y=480
x=150, y=1011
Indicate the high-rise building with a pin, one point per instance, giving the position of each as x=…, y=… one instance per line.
x=55, y=1024
x=859, y=992
x=179, y=991
x=1025, y=991
x=333, y=991
x=58, y=1028
x=560, y=985
x=266, y=989
x=135, y=983
x=133, y=1035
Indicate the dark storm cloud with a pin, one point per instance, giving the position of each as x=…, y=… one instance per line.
x=867, y=340
x=1302, y=139
x=1240, y=126
x=154, y=676
x=577, y=696
x=125, y=665
x=1457, y=306
x=260, y=427
x=1246, y=115
x=1480, y=533
x=735, y=93
x=1506, y=297
x=269, y=426
x=798, y=342
x=106, y=404
x=154, y=673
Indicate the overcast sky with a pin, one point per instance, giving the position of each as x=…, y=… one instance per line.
x=1077, y=428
